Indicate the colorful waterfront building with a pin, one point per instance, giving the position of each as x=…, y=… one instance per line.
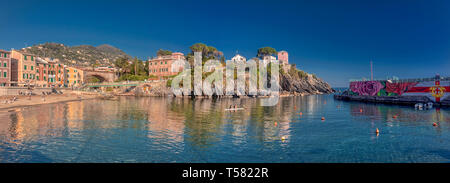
x=238, y=57
x=23, y=67
x=73, y=77
x=5, y=68
x=55, y=73
x=41, y=72
x=163, y=66
x=283, y=57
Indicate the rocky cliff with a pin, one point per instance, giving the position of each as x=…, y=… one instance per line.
x=307, y=84
x=292, y=82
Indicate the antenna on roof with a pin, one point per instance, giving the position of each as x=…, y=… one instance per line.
x=371, y=70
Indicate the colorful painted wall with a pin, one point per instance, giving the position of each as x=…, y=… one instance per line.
x=435, y=90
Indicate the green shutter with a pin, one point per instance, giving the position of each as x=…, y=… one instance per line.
x=5, y=65
x=25, y=57
x=32, y=67
x=37, y=77
x=24, y=67
x=4, y=74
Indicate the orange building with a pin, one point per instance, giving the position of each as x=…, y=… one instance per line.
x=73, y=77
x=55, y=73
x=163, y=66
x=23, y=67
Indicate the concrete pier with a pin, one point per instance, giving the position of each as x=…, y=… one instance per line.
x=400, y=100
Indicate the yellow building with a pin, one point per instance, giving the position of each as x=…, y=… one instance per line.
x=73, y=77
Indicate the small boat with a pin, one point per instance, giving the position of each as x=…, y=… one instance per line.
x=419, y=106
x=234, y=109
x=430, y=105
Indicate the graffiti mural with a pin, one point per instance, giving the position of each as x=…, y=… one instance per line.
x=435, y=90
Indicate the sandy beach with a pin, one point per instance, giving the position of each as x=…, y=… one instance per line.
x=23, y=101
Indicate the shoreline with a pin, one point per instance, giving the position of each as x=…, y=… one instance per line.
x=24, y=101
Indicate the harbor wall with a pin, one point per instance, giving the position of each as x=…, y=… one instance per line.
x=410, y=91
x=436, y=91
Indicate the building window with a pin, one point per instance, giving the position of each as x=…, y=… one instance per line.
x=166, y=62
x=24, y=67
x=4, y=74
x=25, y=57
x=37, y=77
x=31, y=67
x=32, y=59
x=5, y=64
x=45, y=78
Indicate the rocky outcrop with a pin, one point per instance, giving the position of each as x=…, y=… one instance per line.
x=308, y=84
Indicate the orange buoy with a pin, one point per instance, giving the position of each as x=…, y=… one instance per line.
x=395, y=116
x=301, y=113
x=377, y=131
x=360, y=110
x=323, y=118
x=276, y=123
x=434, y=124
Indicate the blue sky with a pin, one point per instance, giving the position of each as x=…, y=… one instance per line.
x=333, y=39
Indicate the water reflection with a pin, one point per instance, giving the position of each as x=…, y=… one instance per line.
x=175, y=129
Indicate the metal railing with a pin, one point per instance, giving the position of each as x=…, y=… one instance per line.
x=396, y=80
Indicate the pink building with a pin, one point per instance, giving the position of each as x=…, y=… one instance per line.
x=5, y=68
x=163, y=66
x=283, y=57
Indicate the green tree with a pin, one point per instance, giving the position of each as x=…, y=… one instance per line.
x=162, y=52
x=208, y=52
x=137, y=67
x=266, y=51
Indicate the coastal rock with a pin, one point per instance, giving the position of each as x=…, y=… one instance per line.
x=306, y=85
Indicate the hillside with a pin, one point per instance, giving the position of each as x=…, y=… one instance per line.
x=83, y=55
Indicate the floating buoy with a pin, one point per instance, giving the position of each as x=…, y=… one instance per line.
x=434, y=124
x=283, y=138
x=323, y=118
x=395, y=116
x=377, y=131
x=301, y=113
x=276, y=123
x=360, y=110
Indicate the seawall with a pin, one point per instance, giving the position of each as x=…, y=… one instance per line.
x=400, y=100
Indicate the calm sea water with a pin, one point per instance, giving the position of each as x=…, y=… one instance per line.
x=183, y=130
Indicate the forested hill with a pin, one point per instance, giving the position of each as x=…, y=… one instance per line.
x=83, y=55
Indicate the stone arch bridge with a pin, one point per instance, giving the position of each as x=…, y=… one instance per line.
x=103, y=76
